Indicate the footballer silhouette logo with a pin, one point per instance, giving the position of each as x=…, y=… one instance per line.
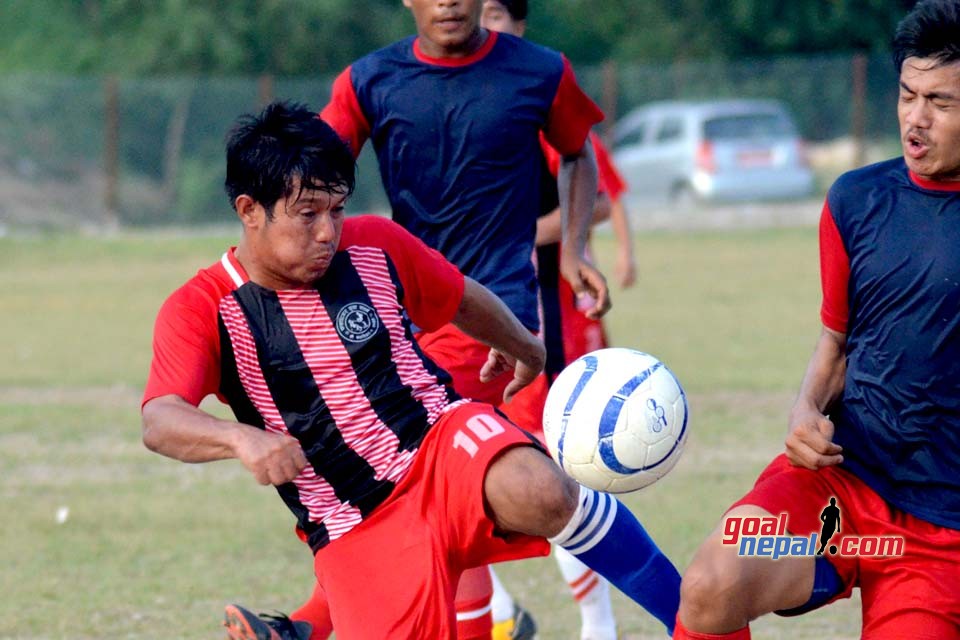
x=830, y=517
x=357, y=322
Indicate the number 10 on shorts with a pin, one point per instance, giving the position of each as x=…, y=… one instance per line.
x=481, y=428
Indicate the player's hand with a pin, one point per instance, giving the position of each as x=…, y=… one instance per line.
x=523, y=372
x=272, y=458
x=810, y=441
x=625, y=269
x=585, y=279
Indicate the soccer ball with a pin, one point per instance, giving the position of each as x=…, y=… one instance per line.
x=616, y=420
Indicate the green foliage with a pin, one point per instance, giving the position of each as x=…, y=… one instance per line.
x=294, y=37
x=185, y=37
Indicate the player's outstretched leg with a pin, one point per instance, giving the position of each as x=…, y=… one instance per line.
x=722, y=591
x=604, y=535
x=528, y=493
x=472, y=603
x=316, y=612
x=242, y=624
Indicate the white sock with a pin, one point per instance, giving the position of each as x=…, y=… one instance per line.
x=592, y=593
x=502, y=602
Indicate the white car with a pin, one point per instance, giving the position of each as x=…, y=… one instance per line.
x=721, y=150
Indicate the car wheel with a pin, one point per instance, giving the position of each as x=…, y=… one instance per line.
x=683, y=197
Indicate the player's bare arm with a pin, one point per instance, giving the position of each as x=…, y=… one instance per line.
x=483, y=316
x=550, y=226
x=175, y=428
x=810, y=437
x=625, y=267
x=577, y=186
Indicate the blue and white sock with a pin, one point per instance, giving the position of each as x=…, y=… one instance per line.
x=606, y=536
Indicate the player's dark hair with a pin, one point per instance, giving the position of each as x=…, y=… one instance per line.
x=930, y=30
x=516, y=8
x=286, y=144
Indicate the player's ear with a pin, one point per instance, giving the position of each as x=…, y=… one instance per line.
x=406, y=3
x=247, y=210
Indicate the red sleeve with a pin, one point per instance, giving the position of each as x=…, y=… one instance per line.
x=610, y=180
x=550, y=155
x=344, y=114
x=432, y=286
x=572, y=114
x=186, y=347
x=834, y=274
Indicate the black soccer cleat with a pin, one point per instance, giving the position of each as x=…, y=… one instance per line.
x=242, y=624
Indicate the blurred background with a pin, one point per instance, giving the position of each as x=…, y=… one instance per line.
x=113, y=112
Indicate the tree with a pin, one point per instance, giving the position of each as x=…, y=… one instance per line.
x=309, y=37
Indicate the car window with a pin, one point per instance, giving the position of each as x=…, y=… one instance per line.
x=751, y=125
x=670, y=129
x=634, y=136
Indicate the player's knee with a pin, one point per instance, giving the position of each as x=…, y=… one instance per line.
x=704, y=587
x=559, y=502
x=711, y=585
x=528, y=493
x=551, y=495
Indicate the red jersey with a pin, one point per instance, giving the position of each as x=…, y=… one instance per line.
x=609, y=180
x=334, y=366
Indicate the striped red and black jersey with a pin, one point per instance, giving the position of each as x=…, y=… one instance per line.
x=335, y=366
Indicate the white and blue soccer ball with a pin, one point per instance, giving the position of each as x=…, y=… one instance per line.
x=616, y=420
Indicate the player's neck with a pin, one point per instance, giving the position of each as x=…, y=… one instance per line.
x=464, y=49
x=260, y=273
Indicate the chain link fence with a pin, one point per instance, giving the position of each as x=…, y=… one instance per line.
x=108, y=152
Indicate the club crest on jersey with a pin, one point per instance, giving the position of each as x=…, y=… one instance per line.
x=357, y=322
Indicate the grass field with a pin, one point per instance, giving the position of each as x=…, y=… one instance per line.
x=153, y=548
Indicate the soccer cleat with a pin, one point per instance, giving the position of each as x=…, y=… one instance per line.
x=242, y=624
x=520, y=627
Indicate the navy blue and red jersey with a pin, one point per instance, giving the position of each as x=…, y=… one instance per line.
x=334, y=366
x=458, y=147
x=890, y=269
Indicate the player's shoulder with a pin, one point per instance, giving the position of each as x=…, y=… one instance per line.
x=852, y=188
x=203, y=292
x=516, y=49
x=880, y=175
x=401, y=50
x=526, y=47
x=369, y=230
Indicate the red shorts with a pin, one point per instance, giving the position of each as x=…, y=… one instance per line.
x=913, y=595
x=395, y=574
x=462, y=357
x=581, y=334
x=526, y=408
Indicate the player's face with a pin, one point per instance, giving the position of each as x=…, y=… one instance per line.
x=929, y=113
x=447, y=28
x=295, y=248
x=495, y=17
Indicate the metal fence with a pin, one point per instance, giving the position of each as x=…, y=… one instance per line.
x=149, y=151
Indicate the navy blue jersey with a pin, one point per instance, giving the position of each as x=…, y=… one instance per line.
x=897, y=240
x=457, y=144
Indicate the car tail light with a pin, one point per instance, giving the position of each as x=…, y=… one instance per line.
x=705, y=160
